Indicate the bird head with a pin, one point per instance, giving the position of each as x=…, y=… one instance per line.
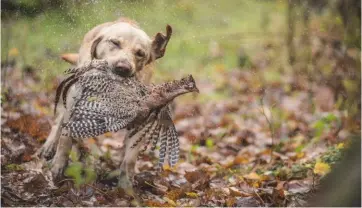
x=166, y=92
x=188, y=83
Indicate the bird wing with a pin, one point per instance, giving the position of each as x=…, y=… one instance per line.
x=169, y=135
x=105, y=104
x=64, y=86
x=159, y=128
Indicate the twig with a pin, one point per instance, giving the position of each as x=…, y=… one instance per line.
x=148, y=183
x=271, y=128
x=99, y=190
x=313, y=181
x=259, y=197
x=89, y=185
x=67, y=179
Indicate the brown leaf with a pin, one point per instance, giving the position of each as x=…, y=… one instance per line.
x=280, y=188
x=241, y=160
x=298, y=187
x=247, y=202
x=199, y=179
x=36, y=126
x=153, y=203
x=193, y=176
x=230, y=202
x=175, y=194
x=252, y=176
x=237, y=192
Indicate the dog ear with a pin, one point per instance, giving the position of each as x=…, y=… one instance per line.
x=71, y=58
x=87, y=51
x=94, y=47
x=159, y=44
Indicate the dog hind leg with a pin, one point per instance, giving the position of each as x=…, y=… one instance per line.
x=60, y=159
x=47, y=151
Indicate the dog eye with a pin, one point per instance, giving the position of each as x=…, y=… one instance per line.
x=140, y=53
x=115, y=42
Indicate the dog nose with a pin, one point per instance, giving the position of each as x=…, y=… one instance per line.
x=123, y=69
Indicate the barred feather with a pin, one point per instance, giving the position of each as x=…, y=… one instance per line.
x=169, y=145
x=59, y=91
x=150, y=136
x=174, y=149
x=133, y=131
x=85, y=128
x=163, y=141
x=156, y=136
x=144, y=132
x=99, y=64
x=67, y=86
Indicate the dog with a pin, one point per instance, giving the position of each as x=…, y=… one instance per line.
x=125, y=47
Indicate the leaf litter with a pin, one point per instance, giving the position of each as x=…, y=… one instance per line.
x=267, y=144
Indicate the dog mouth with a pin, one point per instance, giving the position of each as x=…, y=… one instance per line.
x=122, y=72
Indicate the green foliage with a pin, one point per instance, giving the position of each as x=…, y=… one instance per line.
x=80, y=172
x=74, y=170
x=194, y=147
x=299, y=171
x=209, y=143
x=90, y=175
x=332, y=156
x=324, y=123
x=14, y=167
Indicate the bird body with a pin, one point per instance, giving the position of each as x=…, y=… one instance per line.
x=108, y=102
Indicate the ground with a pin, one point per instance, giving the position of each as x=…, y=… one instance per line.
x=262, y=131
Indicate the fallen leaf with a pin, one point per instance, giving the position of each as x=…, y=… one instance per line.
x=321, y=168
x=194, y=176
x=340, y=145
x=246, y=202
x=237, y=192
x=170, y=201
x=297, y=187
x=35, y=126
x=153, y=203
x=252, y=176
x=174, y=194
x=241, y=160
x=192, y=194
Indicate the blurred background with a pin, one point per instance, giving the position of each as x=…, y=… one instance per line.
x=313, y=41
x=276, y=36
x=275, y=75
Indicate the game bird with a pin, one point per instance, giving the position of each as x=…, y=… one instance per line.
x=108, y=102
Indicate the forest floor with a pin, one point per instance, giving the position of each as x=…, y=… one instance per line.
x=264, y=133
x=264, y=143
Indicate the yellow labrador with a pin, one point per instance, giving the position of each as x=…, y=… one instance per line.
x=124, y=46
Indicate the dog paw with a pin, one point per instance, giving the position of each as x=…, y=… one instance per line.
x=57, y=172
x=46, y=152
x=125, y=182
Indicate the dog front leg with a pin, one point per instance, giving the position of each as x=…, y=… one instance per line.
x=60, y=159
x=130, y=155
x=47, y=151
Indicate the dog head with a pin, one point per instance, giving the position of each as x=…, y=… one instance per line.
x=123, y=45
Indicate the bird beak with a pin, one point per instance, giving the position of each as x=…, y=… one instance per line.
x=196, y=90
